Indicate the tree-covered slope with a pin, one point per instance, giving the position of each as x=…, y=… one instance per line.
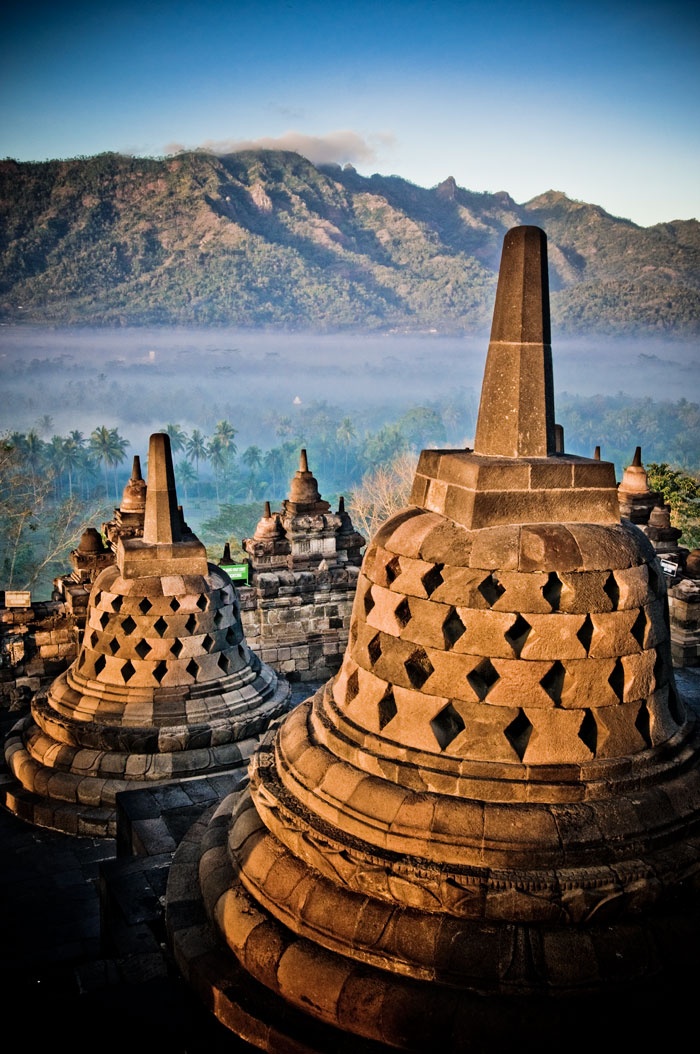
x=265, y=238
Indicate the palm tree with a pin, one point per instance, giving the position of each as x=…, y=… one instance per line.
x=225, y=433
x=110, y=449
x=185, y=475
x=218, y=458
x=196, y=449
x=72, y=458
x=33, y=451
x=252, y=457
x=345, y=434
x=275, y=462
x=178, y=437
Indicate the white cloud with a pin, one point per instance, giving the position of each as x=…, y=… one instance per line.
x=343, y=146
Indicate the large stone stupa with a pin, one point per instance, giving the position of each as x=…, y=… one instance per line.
x=493, y=810
x=164, y=686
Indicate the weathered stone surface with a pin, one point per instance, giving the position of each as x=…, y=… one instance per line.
x=499, y=791
x=164, y=685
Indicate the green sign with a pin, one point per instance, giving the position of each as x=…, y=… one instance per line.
x=236, y=572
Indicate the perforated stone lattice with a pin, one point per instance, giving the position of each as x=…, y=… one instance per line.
x=584, y=616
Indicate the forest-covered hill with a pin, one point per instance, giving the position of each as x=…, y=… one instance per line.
x=266, y=239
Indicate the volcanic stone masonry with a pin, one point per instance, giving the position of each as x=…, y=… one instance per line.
x=304, y=563
x=496, y=800
x=164, y=687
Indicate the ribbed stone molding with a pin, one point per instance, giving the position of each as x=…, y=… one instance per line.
x=491, y=815
x=164, y=686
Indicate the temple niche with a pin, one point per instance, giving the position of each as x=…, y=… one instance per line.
x=164, y=686
x=490, y=817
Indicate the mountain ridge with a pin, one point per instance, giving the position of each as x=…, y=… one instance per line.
x=265, y=239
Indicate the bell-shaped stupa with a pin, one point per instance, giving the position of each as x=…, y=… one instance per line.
x=494, y=808
x=164, y=686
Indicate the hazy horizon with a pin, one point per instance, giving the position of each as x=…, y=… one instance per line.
x=140, y=379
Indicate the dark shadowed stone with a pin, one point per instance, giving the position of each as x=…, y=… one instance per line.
x=548, y=546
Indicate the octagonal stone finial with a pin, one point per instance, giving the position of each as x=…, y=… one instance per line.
x=516, y=412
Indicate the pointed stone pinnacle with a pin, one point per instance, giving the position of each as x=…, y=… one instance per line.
x=637, y=459
x=163, y=521
x=516, y=412
x=136, y=469
x=303, y=462
x=268, y=510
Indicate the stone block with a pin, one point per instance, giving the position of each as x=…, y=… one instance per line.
x=555, y=738
x=553, y=637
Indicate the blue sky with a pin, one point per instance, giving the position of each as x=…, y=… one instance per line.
x=598, y=100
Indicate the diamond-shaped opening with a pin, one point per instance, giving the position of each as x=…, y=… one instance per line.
x=585, y=633
x=432, y=578
x=368, y=601
x=218, y=618
x=100, y=663
x=386, y=708
x=353, y=687
x=117, y=604
x=191, y=624
x=192, y=668
x=128, y=671
x=374, y=649
x=160, y=670
x=553, y=681
x=392, y=569
x=81, y=660
x=145, y=606
x=639, y=628
x=92, y=640
x=491, y=589
x=230, y=635
x=160, y=626
x=208, y=642
x=518, y=733
x=588, y=731
x=419, y=668
x=241, y=652
x=662, y=671
x=452, y=629
x=352, y=636
x=612, y=590
x=143, y=648
x=202, y=603
x=113, y=645
x=104, y=620
x=643, y=724
x=176, y=648
x=551, y=591
x=174, y=604
x=403, y=613
x=223, y=663
x=128, y=625
x=483, y=677
x=518, y=634
x=98, y=597
x=616, y=680
x=446, y=726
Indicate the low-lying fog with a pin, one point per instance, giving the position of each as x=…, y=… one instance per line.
x=138, y=380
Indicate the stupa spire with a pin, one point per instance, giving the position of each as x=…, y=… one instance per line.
x=516, y=412
x=162, y=524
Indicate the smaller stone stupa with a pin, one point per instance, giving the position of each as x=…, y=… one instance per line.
x=164, y=687
x=305, y=532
